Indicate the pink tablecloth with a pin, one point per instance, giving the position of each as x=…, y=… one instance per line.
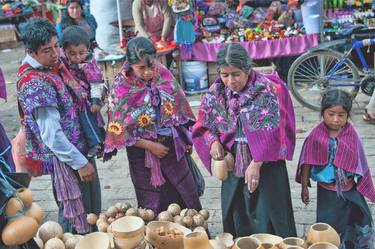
x=257, y=49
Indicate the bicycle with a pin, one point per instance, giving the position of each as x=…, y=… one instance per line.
x=323, y=68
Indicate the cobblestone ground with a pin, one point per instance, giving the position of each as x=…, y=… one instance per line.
x=114, y=175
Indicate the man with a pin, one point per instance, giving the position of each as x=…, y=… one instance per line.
x=54, y=139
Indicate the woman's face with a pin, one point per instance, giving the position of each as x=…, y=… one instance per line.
x=75, y=10
x=233, y=78
x=144, y=71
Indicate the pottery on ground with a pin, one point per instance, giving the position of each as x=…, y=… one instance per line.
x=289, y=242
x=165, y=242
x=323, y=245
x=269, y=246
x=226, y=239
x=97, y=240
x=247, y=243
x=197, y=240
x=128, y=232
x=322, y=232
x=217, y=244
x=266, y=238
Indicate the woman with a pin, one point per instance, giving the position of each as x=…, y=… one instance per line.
x=75, y=15
x=252, y=117
x=153, y=19
x=150, y=116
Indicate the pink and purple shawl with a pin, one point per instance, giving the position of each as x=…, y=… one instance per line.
x=138, y=108
x=350, y=155
x=266, y=113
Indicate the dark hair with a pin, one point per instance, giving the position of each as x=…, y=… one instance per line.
x=66, y=20
x=37, y=32
x=140, y=48
x=75, y=35
x=336, y=98
x=234, y=55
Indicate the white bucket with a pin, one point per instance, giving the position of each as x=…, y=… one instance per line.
x=312, y=24
x=195, y=76
x=311, y=15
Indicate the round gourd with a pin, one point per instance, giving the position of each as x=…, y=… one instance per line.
x=205, y=213
x=26, y=196
x=165, y=216
x=39, y=242
x=14, y=206
x=92, y=218
x=174, y=209
x=150, y=214
x=50, y=230
x=35, y=212
x=19, y=231
x=132, y=212
x=54, y=243
x=71, y=242
x=111, y=212
x=66, y=236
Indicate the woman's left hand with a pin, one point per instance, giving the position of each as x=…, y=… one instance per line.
x=189, y=149
x=252, y=175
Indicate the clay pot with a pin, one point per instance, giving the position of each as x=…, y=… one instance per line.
x=289, y=242
x=295, y=247
x=269, y=246
x=26, y=196
x=128, y=231
x=19, y=231
x=220, y=169
x=230, y=160
x=165, y=242
x=217, y=244
x=323, y=245
x=322, y=232
x=97, y=240
x=226, y=239
x=266, y=238
x=35, y=212
x=196, y=240
x=247, y=243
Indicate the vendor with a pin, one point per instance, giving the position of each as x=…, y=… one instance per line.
x=153, y=19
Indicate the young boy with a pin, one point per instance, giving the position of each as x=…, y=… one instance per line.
x=88, y=82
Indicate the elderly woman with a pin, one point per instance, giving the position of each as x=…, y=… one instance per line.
x=251, y=116
x=150, y=117
x=75, y=15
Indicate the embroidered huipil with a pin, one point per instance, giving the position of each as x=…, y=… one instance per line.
x=263, y=109
x=142, y=110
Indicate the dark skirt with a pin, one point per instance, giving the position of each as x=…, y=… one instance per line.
x=267, y=210
x=349, y=215
x=179, y=183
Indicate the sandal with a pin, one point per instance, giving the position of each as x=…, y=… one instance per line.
x=369, y=117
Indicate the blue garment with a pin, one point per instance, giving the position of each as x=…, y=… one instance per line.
x=89, y=124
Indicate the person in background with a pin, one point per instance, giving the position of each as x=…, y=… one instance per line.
x=252, y=117
x=54, y=138
x=150, y=117
x=75, y=15
x=333, y=156
x=88, y=80
x=153, y=19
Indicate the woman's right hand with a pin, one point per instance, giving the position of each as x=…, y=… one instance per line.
x=305, y=195
x=217, y=151
x=159, y=149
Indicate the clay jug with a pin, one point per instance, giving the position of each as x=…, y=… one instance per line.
x=322, y=232
x=323, y=245
x=289, y=242
x=220, y=169
x=247, y=243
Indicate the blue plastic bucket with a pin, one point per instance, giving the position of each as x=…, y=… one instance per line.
x=311, y=15
x=195, y=76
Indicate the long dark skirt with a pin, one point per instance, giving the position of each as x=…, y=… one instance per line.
x=267, y=210
x=349, y=215
x=178, y=188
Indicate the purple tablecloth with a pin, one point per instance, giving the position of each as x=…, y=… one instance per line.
x=257, y=49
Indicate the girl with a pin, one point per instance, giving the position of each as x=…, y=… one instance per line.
x=333, y=156
x=150, y=116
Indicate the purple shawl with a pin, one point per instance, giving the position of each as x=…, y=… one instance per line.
x=350, y=155
x=3, y=91
x=266, y=113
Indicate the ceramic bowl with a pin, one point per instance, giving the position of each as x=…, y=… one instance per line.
x=323, y=245
x=226, y=239
x=269, y=246
x=165, y=242
x=217, y=244
x=289, y=242
x=266, y=238
x=247, y=243
x=97, y=240
x=128, y=227
x=322, y=232
x=197, y=240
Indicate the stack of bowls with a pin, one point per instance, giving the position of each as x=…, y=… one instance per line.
x=128, y=232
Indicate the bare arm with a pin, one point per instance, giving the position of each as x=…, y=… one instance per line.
x=305, y=180
x=138, y=18
x=168, y=20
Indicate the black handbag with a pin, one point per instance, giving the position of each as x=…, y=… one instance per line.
x=197, y=175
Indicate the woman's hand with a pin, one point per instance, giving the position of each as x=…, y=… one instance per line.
x=189, y=149
x=217, y=151
x=252, y=175
x=158, y=149
x=95, y=108
x=305, y=195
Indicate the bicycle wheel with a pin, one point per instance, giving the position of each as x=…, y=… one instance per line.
x=316, y=72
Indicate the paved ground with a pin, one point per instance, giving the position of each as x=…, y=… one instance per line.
x=114, y=175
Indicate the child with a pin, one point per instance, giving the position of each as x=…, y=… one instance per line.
x=88, y=85
x=333, y=156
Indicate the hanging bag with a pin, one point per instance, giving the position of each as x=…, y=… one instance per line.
x=197, y=175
